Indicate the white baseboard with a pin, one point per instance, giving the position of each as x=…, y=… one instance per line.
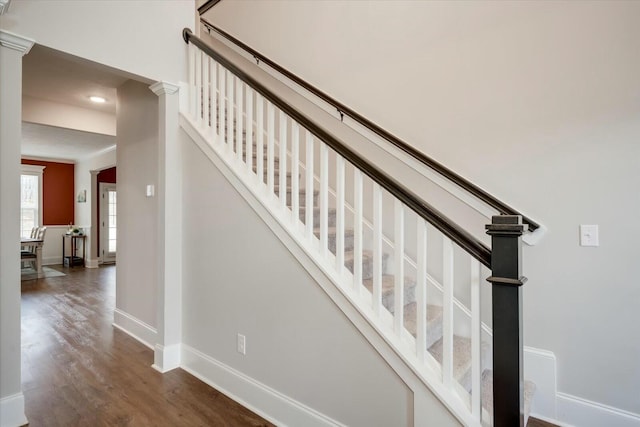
x=259, y=398
x=166, y=358
x=540, y=367
x=573, y=410
x=53, y=260
x=134, y=327
x=564, y=409
x=12, y=411
x=91, y=263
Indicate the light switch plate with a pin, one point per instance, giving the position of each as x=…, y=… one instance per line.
x=151, y=190
x=589, y=235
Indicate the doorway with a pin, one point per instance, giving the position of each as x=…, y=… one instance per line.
x=108, y=222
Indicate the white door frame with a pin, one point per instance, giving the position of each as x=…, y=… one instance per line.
x=103, y=189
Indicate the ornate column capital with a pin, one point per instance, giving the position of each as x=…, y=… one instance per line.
x=164, y=88
x=15, y=42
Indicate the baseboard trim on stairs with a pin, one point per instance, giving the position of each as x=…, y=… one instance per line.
x=12, y=411
x=135, y=328
x=577, y=411
x=259, y=398
x=416, y=380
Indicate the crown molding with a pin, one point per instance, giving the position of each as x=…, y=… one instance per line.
x=164, y=88
x=4, y=6
x=15, y=42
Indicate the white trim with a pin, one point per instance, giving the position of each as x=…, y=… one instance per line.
x=12, y=411
x=4, y=6
x=167, y=358
x=14, y=41
x=35, y=170
x=573, y=410
x=92, y=263
x=48, y=159
x=103, y=218
x=134, y=327
x=164, y=88
x=540, y=368
x=393, y=349
x=252, y=394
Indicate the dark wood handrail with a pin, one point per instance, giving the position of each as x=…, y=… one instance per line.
x=452, y=176
x=207, y=5
x=452, y=230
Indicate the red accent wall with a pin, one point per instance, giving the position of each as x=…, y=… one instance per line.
x=58, y=192
x=107, y=175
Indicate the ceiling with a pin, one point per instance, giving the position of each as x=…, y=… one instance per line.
x=62, y=78
x=50, y=142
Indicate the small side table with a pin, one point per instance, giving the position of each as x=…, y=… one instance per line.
x=73, y=259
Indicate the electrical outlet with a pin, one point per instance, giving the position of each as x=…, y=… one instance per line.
x=589, y=235
x=242, y=344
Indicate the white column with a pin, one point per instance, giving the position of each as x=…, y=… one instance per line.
x=93, y=254
x=169, y=336
x=12, y=49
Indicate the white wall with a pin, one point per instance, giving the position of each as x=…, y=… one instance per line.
x=137, y=160
x=36, y=110
x=298, y=342
x=139, y=37
x=85, y=214
x=537, y=102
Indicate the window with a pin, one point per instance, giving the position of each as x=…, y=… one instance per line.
x=30, y=198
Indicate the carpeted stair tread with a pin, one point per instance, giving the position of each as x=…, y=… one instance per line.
x=367, y=262
x=434, y=321
x=461, y=358
x=316, y=216
x=332, y=236
x=302, y=199
x=487, y=394
x=388, y=294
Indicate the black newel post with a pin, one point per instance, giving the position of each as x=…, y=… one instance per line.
x=506, y=278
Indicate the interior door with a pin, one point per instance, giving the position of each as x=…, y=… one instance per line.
x=108, y=209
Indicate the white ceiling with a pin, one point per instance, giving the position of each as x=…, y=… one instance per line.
x=50, y=142
x=59, y=77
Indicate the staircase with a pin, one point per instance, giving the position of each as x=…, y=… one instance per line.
x=434, y=334
x=385, y=279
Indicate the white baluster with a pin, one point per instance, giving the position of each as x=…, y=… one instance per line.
x=283, y=159
x=476, y=344
x=447, y=311
x=421, y=290
x=357, y=226
x=249, y=139
x=377, y=248
x=324, y=199
x=339, y=213
x=213, y=96
x=260, y=137
x=270, y=145
x=222, y=106
x=206, y=90
x=308, y=207
x=295, y=171
x=192, y=80
x=230, y=110
x=239, y=129
x=199, y=87
x=398, y=315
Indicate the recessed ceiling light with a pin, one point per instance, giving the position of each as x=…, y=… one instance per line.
x=97, y=99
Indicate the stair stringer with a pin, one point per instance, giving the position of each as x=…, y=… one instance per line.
x=395, y=351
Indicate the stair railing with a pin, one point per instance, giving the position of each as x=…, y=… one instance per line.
x=333, y=202
x=469, y=187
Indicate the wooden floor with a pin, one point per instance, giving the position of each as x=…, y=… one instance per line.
x=78, y=370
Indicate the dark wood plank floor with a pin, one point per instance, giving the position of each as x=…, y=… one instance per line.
x=78, y=370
